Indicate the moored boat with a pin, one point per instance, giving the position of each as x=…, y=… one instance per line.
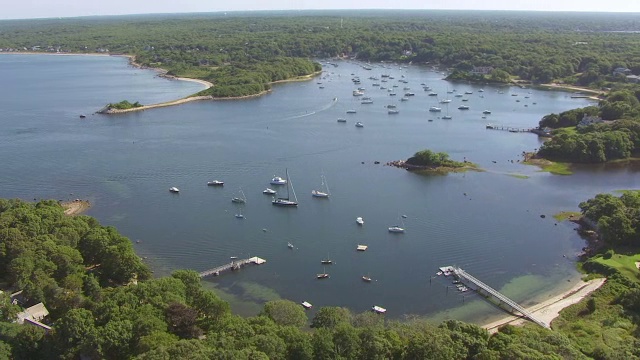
x=215, y=183
x=174, y=189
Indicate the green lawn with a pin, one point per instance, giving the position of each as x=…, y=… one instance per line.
x=626, y=264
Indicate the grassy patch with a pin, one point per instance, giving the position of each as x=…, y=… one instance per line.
x=567, y=215
x=556, y=168
x=625, y=264
x=519, y=176
x=444, y=170
x=566, y=130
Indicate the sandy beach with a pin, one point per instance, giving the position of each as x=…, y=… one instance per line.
x=594, y=93
x=548, y=310
x=75, y=207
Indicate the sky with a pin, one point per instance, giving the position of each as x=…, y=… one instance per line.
x=26, y=9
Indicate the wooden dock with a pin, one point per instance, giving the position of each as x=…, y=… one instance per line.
x=509, y=128
x=235, y=264
x=480, y=287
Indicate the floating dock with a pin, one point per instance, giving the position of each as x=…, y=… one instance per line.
x=235, y=264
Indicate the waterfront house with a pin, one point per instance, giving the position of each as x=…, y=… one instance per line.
x=33, y=315
x=621, y=70
x=589, y=120
x=482, y=70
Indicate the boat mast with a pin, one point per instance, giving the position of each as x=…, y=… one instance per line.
x=292, y=189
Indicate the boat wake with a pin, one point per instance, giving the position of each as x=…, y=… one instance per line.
x=325, y=107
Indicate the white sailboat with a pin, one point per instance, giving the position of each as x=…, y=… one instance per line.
x=397, y=228
x=241, y=199
x=324, y=189
x=447, y=117
x=286, y=201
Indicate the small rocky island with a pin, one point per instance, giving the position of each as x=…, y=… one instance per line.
x=122, y=106
x=430, y=162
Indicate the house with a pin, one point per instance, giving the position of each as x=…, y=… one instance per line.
x=482, y=70
x=589, y=120
x=633, y=79
x=621, y=70
x=36, y=313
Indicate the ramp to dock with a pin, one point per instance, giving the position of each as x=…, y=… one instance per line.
x=233, y=265
x=469, y=279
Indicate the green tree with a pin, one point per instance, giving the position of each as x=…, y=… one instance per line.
x=285, y=312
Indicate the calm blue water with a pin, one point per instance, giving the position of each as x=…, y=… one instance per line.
x=125, y=164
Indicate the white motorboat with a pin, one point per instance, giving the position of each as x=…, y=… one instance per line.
x=359, y=124
x=435, y=109
x=269, y=191
x=392, y=112
x=215, y=183
x=359, y=221
x=463, y=107
x=174, y=189
x=341, y=120
x=486, y=112
x=277, y=180
x=396, y=229
x=378, y=309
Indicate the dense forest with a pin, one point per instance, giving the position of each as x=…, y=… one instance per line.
x=103, y=305
x=596, y=134
x=243, y=52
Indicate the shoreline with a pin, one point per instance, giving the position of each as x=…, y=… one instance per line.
x=75, y=207
x=594, y=93
x=550, y=309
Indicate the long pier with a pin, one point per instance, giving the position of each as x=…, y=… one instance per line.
x=509, y=128
x=479, y=285
x=235, y=264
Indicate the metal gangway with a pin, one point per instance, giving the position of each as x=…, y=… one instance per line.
x=466, y=277
x=235, y=264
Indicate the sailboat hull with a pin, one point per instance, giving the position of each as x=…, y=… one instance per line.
x=319, y=194
x=284, y=202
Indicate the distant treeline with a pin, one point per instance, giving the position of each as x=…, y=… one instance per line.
x=582, y=49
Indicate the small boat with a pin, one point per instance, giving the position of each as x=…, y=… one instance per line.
x=391, y=106
x=277, y=180
x=439, y=273
x=378, y=309
x=362, y=248
x=486, y=112
x=324, y=193
x=392, y=112
x=430, y=120
x=447, y=117
x=481, y=90
x=239, y=216
x=359, y=221
x=82, y=116
x=359, y=124
x=490, y=126
x=433, y=94
x=409, y=94
x=239, y=199
x=404, y=99
x=269, y=191
x=306, y=305
x=286, y=201
x=341, y=120
x=322, y=275
x=215, y=183
x=463, y=107
x=358, y=93
x=468, y=92
x=364, y=102
x=366, y=278
x=290, y=245
x=392, y=94
x=404, y=216
x=465, y=99
x=435, y=109
x=174, y=189
x=326, y=261
x=351, y=111
x=396, y=229
x=445, y=101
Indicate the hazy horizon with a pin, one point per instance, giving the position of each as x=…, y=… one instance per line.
x=34, y=9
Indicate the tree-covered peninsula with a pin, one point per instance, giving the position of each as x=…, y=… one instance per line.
x=102, y=304
x=595, y=134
